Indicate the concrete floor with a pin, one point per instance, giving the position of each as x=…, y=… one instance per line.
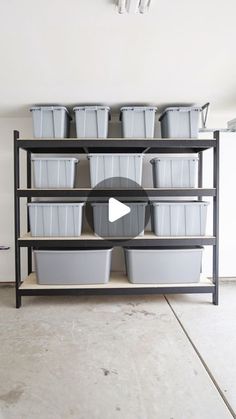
x=118, y=357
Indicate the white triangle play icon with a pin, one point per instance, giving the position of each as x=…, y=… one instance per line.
x=116, y=210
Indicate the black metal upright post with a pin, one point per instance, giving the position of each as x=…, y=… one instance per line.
x=200, y=172
x=216, y=184
x=17, y=218
x=29, y=199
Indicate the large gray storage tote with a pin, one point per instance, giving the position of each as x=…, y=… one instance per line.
x=138, y=121
x=71, y=267
x=163, y=266
x=182, y=122
x=131, y=225
x=54, y=172
x=175, y=170
x=50, y=121
x=179, y=218
x=108, y=166
x=91, y=121
x=52, y=219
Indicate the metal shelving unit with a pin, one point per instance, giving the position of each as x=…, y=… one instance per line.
x=118, y=283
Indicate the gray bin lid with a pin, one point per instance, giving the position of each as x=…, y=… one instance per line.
x=55, y=203
x=158, y=203
x=174, y=157
x=115, y=155
x=47, y=108
x=55, y=159
x=138, y=108
x=91, y=108
x=181, y=109
x=161, y=249
x=101, y=203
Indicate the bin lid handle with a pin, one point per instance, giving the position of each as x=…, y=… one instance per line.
x=205, y=109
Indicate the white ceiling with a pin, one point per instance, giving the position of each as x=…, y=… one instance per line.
x=82, y=51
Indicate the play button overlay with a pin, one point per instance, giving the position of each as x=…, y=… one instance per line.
x=117, y=210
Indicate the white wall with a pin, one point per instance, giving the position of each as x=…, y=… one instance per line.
x=227, y=205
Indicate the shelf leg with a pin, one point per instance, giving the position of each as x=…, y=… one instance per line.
x=216, y=177
x=200, y=170
x=18, y=300
x=17, y=219
x=29, y=251
x=215, y=298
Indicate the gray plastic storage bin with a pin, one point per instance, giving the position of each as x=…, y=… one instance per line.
x=163, y=266
x=180, y=122
x=179, y=218
x=138, y=121
x=71, y=267
x=55, y=219
x=104, y=166
x=54, y=172
x=175, y=170
x=131, y=225
x=91, y=121
x=50, y=121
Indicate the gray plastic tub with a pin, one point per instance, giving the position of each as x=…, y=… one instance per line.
x=104, y=166
x=54, y=172
x=131, y=225
x=179, y=218
x=71, y=267
x=175, y=170
x=163, y=266
x=50, y=219
x=138, y=121
x=50, y=121
x=180, y=122
x=91, y=121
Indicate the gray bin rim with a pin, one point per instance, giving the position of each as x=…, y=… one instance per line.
x=164, y=249
x=61, y=204
x=137, y=109
x=93, y=204
x=93, y=108
x=115, y=154
x=55, y=159
x=154, y=204
x=90, y=250
x=181, y=109
x=50, y=108
x=174, y=157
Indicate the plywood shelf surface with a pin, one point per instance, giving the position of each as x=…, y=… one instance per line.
x=90, y=236
x=118, y=280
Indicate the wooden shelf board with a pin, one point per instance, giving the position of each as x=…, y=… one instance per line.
x=118, y=280
x=90, y=236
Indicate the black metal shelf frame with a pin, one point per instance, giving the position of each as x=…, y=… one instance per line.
x=147, y=146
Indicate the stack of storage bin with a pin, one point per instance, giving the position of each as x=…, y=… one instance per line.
x=60, y=219
x=137, y=122
x=172, y=219
x=64, y=219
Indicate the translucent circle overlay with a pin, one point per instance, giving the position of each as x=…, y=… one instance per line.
x=127, y=192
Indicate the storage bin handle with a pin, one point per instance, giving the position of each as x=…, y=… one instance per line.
x=205, y=109
x=3, y=247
